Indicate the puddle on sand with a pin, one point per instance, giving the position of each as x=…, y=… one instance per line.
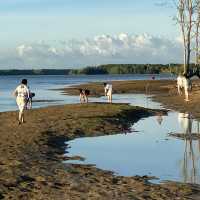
x=133, y=99
x=148, y=150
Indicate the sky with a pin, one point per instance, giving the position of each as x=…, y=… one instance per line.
x=76, y=33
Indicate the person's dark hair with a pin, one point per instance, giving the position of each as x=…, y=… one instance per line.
x=104, y=84
x=80, y=90
x=24, y=81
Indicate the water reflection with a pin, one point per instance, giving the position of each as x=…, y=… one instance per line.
x=190, y=162
x=148, y=150
x=159, y=118
x=185, y=120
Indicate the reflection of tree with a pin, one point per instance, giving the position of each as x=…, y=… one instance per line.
x=198, y=131
x=191, y=157
x=189, y=165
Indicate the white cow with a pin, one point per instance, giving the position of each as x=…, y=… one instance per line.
x=184, y=83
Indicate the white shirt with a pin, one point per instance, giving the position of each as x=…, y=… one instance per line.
x=22, y=91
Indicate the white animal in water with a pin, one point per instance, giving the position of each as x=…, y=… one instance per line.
x=184, y=83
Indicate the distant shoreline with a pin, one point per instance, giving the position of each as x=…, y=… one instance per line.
x=112, y=69
x=76, y=75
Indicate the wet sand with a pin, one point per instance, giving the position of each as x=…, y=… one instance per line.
x=164, y=91
x=31, y=154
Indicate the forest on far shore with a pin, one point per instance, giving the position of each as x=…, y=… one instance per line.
x=102, y=69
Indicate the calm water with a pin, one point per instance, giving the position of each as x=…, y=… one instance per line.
x=41, y=85
x=147, y=150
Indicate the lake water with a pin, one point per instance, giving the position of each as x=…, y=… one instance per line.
x=148, y=149
x=41, y=85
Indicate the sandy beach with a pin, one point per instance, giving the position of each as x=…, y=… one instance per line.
x=31, y=154
x=163, y=91
x=89, y=104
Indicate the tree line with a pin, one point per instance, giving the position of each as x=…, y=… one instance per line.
x=103, y=69
x=34, y=72
x=129, y=69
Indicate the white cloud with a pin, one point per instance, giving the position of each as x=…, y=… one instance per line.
x=121, y=48
x=22, y=49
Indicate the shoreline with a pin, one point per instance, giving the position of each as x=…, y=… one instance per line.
x=31, y=155
x=163, y=91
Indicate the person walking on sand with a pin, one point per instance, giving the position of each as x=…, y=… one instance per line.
x=22, y=95
x=108, y=91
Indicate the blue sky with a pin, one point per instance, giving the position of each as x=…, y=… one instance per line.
x=26, y=22
x=31, y=20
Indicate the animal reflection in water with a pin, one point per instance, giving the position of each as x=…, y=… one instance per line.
x=159, y=118
x=190, y=162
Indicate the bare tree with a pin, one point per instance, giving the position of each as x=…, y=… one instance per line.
x=197, y=33
x=186, y=19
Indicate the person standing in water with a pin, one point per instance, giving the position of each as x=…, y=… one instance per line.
x=22, y=95
x=108, y=91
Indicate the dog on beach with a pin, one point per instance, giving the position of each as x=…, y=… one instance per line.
x=29, y=100
x=84, y=93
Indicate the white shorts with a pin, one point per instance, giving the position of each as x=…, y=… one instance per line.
x=21, y=102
